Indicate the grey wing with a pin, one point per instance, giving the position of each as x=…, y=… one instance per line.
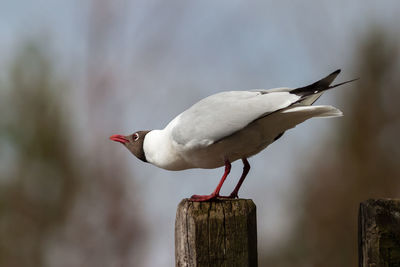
x=308, y=100
x=223, y=114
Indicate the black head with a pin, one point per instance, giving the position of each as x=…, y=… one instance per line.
x=133, y=142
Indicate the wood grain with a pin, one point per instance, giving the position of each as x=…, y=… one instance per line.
x=220, y=233
x=379, y=233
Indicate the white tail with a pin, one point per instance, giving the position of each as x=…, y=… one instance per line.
x=315, y=111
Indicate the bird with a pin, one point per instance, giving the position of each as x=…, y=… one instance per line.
x=229, y=126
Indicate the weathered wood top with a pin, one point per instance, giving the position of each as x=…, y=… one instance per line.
x=220, y=233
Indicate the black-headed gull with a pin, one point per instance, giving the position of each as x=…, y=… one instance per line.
x=228, y=126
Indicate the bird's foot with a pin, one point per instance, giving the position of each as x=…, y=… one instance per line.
x=231, y=196
x=203, y=198
x=234, y=195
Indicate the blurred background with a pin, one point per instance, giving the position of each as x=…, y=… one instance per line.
x=72, y=73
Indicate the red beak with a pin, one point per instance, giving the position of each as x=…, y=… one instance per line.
x=119, y=138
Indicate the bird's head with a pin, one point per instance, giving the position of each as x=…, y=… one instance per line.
x=133, y=142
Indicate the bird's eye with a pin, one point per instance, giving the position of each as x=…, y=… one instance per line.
x=135, y=137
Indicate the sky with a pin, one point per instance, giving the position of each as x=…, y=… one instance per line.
x=168, y=55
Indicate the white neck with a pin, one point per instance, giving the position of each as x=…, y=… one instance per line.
x=160, y=151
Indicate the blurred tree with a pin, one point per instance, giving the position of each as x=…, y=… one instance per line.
x=39, y=184
x=362, y=163
x=57, y=207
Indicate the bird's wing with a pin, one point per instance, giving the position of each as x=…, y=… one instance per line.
x=220, y=115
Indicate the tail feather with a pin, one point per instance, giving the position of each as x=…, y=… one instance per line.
x=324, y=83
x=315, y=111
x=319, y=86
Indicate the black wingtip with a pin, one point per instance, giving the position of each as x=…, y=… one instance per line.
x=329, y=79
x=320, y=85
x=342, y=83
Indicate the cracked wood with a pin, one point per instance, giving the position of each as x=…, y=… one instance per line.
x=379, y=233
x=221, y=233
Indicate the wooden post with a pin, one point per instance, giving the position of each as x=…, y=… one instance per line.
x=220, y=233
x=379, y=233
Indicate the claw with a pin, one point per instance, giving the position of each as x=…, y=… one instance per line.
x=225, y=197
x=233, y=195
x=203, y=198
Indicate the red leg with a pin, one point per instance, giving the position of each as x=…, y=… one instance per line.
x=214, y=194
x=246, y=169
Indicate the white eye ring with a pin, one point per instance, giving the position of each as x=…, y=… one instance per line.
x=135, y=137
